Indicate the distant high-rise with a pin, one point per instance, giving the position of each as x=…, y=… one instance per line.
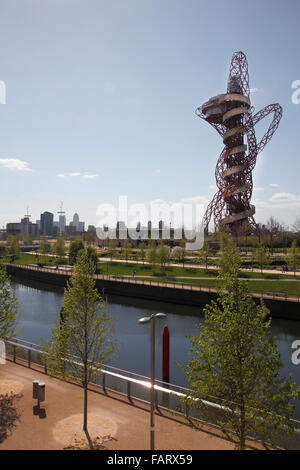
x=46, y=227
x=62, y=223
x=25, y=226
x=79, y=226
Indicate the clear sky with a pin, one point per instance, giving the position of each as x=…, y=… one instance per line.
x=101, y=98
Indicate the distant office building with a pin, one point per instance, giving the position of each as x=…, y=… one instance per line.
x=70, y=229
x=46, y=227
x=38, y=222
x=91, y=228
x=25, y=226
x=62, y=223
x=121, y=231
x=79, y=226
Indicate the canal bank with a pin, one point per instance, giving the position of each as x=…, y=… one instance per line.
x=152, y=290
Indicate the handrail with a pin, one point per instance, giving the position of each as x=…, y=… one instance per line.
x=173, y=285
x=143, y=383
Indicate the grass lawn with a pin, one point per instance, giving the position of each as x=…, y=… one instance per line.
x=290, y=288
x=123, y=269
x=26, y=258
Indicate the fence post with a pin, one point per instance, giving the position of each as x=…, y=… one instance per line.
x=128, y=390
x=103, y=382
x=45, y=366
x=14, y=347
x=156, y=399
x=29, y=358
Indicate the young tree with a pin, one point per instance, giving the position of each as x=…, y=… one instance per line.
x=92, y=255
x=59, y=248
x=261, y=256
x=85, y=334
x=142, y=247
x=74, y=248
x=163, y=255
x=45, y=248
x=127, y=250
x=178, y=254
x=205, y=253
x=14, y=249
x=295, y=255
x=151, y=253
x=8, y=307
x=111, y=249
x=235, y=363
x=183, y=252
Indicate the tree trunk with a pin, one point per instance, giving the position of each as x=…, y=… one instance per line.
x=85, y=408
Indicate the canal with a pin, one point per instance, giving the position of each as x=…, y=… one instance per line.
x=40, y=304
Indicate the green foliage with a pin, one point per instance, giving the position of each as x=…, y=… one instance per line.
x=59, y=247
x=45, y=247
x=91, y=255
x=230, y=260
x=14, y=245
x=261, y=255
x=205, y=253
x=295, y=256
x=163, y=254
x=8, y=307
x=111, y=249
x=178, y=254
x=142, y=247
x=3, y=250
x=235, y=363
x=152, y=255
x=74, y=249
x=86, y=331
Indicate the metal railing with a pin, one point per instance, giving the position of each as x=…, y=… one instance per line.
x=173, y=285
x=168, y=397
x=135, y=386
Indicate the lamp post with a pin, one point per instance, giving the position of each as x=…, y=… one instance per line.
x=151, y=320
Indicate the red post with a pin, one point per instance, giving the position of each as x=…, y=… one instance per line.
x=166, y=354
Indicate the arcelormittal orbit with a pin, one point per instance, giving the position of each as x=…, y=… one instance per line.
x=232, y=116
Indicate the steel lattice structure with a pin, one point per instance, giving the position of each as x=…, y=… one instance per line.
x=232, y=116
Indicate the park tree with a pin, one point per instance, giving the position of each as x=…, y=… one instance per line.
x=236, y=364
x=27, y=240
x=3, y=251
x=8, y=307
x=295, y=256
x=205, y=253
x=274, y=228
x=142, y=248
x=59, y=248
x=178, y=254
x=92, y=255
x=163, y=255
x=126, y=250
x=182, y=246
x=14, y=249
x=45, y=248
x=111, y=249
x=261, y=255
x=151, y=252
x=74, y=248
x=86, y=332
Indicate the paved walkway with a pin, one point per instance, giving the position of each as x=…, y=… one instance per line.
x=130, y=423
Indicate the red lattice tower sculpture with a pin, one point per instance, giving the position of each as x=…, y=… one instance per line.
x=232, y=116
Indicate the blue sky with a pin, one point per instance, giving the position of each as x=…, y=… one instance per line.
x=101, y=99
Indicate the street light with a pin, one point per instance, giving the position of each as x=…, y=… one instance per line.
x=151, y=320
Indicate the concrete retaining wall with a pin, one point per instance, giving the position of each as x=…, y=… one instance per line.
x=286, y=309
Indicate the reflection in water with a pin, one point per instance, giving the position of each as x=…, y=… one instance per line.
x=40, y=305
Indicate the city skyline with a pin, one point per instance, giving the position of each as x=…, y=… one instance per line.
x=93, y=112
